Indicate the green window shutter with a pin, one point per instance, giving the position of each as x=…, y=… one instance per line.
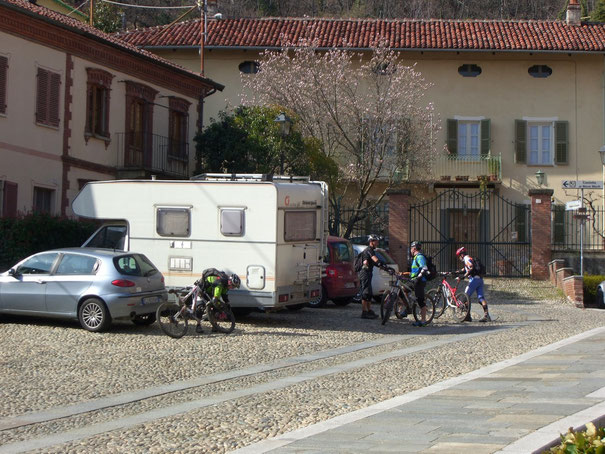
x=485, y=137
x=521, y=223
x=558, y=224
x=520, y=141
x=561, y=142
x=452, y=136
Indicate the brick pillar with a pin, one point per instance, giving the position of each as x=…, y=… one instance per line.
x=399, y=225
x=540, y=232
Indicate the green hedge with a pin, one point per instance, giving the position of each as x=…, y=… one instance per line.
x=26, y=235
x=591, y=281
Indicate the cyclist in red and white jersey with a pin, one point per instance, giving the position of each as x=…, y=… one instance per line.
x=475, y=283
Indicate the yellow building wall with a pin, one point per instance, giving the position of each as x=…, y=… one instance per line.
x=503, y=92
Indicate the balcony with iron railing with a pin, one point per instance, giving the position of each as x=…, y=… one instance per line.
x=460, y=168
x=140, y=155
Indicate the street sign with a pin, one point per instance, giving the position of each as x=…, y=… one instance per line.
x=573, y=205
x=582, y=184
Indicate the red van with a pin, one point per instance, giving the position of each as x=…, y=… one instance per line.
x=340, y=282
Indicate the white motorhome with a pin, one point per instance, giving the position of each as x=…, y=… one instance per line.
x=271, y=231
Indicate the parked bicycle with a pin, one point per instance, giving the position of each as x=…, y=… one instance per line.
x=445, y=296
x=400, y=300
x=174, y=317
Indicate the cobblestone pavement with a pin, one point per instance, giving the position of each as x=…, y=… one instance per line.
x=132, y=389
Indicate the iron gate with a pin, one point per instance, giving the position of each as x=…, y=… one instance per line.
x=491, y=228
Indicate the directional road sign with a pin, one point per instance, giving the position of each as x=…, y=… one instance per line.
x=582, y=184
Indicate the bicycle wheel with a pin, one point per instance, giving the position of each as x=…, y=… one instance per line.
x=462, y=307
x=171, y=321
x=439, y=299
x=400, y=308
x=430, y=310
x=221, y=317
x=386, y=306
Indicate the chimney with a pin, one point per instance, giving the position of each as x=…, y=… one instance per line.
x=573, y=13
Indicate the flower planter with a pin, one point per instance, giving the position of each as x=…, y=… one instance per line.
x=493, y=177
x=461, y=177
x=446, y=177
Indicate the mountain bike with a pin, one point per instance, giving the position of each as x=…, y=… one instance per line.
x=174, y=317
x=445, y=296
x=400, y=300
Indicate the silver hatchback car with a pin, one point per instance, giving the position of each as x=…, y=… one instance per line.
x=94, y=286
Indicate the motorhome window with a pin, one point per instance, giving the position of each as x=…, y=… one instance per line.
x=300, y=225
x=109, y=237
x=232, y=222
x=173, y=222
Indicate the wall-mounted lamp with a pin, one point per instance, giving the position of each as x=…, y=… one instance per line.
x=540, y=177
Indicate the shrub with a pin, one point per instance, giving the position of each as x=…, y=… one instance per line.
x=26, y=235
x=590, y=287
x=589, y=441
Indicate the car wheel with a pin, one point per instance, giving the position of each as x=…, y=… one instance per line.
x=93, y=315
x=600, y=302
x=321, y=301
x=342, y=301
x=241, y=311
x=144, y=320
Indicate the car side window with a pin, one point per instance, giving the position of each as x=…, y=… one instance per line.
x=77, y=264
x=127, y=265
x=38, y=264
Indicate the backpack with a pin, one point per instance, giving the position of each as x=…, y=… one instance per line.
x=214, y=272
x=358, y=265
x=478, y=268
x=432, y=268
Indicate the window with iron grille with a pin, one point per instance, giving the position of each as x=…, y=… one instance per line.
x=3, y=83
x=47, y=97
x=97, y=103
x=43, y=200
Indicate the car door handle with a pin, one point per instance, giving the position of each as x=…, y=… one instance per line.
x=40, y=281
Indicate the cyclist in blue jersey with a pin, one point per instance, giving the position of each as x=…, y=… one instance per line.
x=418, y=272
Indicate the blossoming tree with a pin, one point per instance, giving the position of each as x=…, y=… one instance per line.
x=366, y=109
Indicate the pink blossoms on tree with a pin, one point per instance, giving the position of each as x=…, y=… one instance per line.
x=365, y=109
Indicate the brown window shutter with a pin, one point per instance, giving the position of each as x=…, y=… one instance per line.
x=3, y=83
x=42, y=96
x=54, y=99
x=9, y=204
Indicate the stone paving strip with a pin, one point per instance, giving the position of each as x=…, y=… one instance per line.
x=164, y=412
x=134, y=396
x=540, y=438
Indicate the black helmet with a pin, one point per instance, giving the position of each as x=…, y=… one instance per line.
x=234, y=281
x=373, y=237
x=416, y=244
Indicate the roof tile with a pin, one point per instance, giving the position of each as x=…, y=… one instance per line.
x=362, y=33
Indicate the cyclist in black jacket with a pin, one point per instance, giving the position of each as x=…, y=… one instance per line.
x=370, y=260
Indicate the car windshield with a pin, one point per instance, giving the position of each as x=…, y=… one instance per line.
x=342, y=252
x=384, y=257
x=134, y=265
